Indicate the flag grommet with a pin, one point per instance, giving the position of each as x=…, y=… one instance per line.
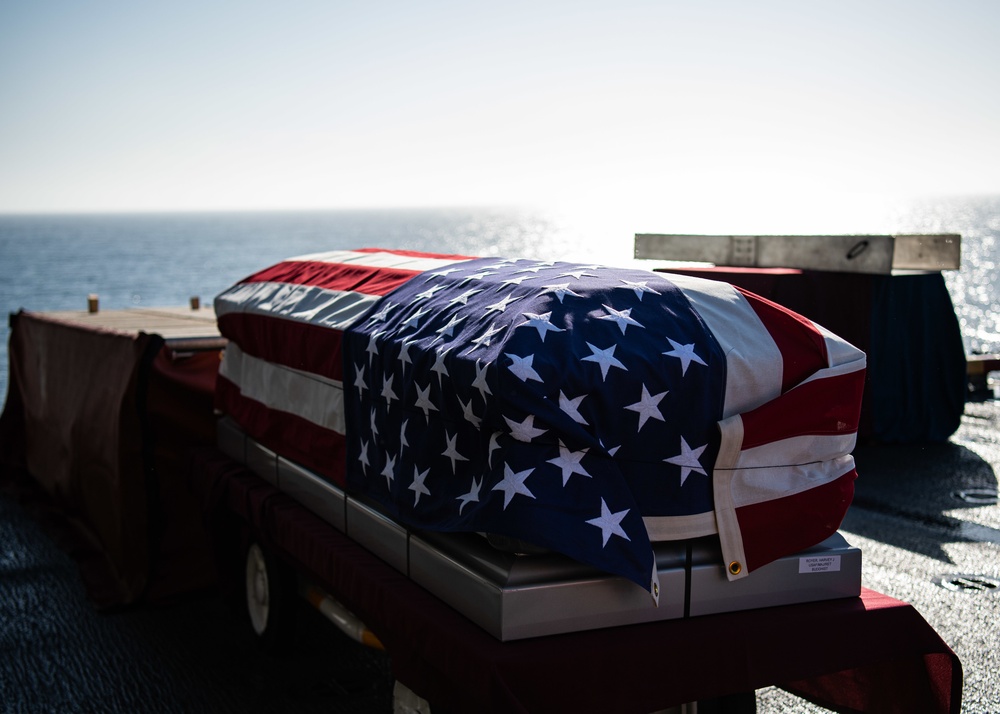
x=735, y=567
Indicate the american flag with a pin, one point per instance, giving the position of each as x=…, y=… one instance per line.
x=585, y=409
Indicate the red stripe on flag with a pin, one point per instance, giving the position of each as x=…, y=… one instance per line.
x=297, y=439
x=831, y=405
x=773, y=529
x=367, y=279
x=802, y=346
x=414, y=254
x=290, y=343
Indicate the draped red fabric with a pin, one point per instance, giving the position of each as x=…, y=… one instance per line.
x=97, y=432
x=866, y=654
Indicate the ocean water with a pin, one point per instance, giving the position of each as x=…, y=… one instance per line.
x=52, y=262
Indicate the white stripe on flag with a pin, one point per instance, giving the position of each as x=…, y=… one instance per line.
x=662, y=528
x=755, y=478
x=336, y=309
x=838, y=370
x=841, y=352
x=804, y=450
x=753, y=361
x=730, y=537
x=749, y=486
x=378, y=260
x=314, y=398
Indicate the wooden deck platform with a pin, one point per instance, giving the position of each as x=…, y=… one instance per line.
x=179, y=326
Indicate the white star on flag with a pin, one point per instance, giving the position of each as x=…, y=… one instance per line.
x=382, y=314
x=542, y=323
x=414, y=319
x=610, y=523
x=373, y=343
x=494, y=445
x=639, y=288
x=685, y=353
x=359, y=378
x=402, y=433
x=687, y=460
x=429, y=292
x=387, y=392
x=572, y=407
x=471, y=496
x=502, y=305
x=364, y=456
x=561, y=290
x=606, y=358
x=484, y=339
x=449, y=329
x=439, y=365
x=503, y=263
x=442, y=273
x=513, y=484
x=517, y=281
x=451, y=452
x=418, y=487
x=424, y=400
x=524, y=431
x=470, y=416
x=647, y=407
x=374, y=423
x=522, y=369
x=622, y=318
x=463, y=299
x=389, y=470
x=404, y=352
x=577, y=274
x=569, y=462
x=477, y=276
x=480, y=381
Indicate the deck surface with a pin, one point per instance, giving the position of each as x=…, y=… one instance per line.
x=171, y=323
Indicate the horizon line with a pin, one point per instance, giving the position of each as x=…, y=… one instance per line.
x=500, y=205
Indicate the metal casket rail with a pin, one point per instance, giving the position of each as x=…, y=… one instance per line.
x=514, y=596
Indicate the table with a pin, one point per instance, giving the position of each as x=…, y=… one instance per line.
x=916, y=383
x=870, y=654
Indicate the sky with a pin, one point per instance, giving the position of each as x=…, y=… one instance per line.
x=160, y=106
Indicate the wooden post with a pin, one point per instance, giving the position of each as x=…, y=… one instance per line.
x=195, y=303
x=92, y=303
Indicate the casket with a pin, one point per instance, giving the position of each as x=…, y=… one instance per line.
x=587, y=411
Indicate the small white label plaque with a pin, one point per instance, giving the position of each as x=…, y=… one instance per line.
x=819, y=564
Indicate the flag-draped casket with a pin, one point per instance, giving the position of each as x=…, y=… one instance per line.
x=584, y=409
